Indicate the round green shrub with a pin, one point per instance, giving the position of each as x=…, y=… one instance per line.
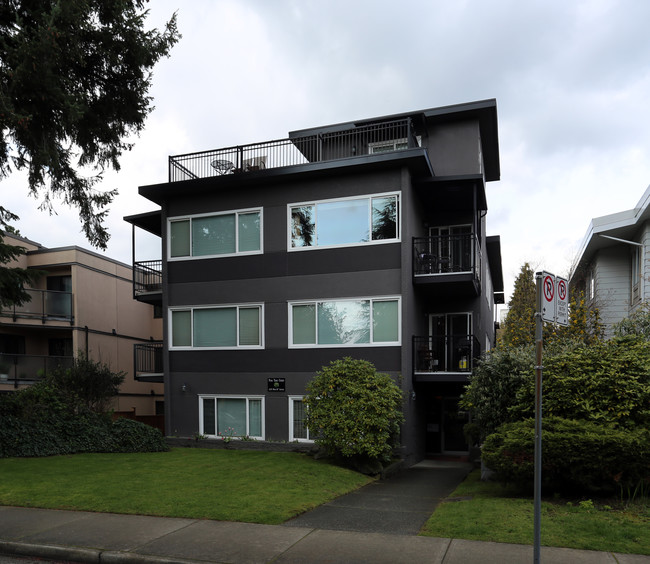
x=354, y=411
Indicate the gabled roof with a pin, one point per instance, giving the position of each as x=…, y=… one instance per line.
x=621, y=225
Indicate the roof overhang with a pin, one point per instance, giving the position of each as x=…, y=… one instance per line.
x=611, y=230
x=416, y=159
x=149, y=221
x=493, y=244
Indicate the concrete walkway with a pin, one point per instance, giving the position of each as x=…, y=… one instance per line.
x=376, y=524
x=400, y=505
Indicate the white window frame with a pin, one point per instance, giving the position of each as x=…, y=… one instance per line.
x=347, y=345
x=368, y=197
x=236, y=213
x=291, y=437
x=215, y=397
x=192, y=309
x=392, y=143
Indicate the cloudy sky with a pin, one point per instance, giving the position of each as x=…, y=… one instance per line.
x=571, y=80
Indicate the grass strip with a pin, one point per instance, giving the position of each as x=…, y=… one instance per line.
x=487, y=511
x=247, y=486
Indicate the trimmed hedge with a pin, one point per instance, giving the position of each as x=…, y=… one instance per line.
x=88, y=432
x=576, y=455
x=43, y=420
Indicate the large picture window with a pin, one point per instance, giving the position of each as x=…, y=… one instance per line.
x=351, y=221
x=341, y=323
x=231, y=417
x=224, y=234
x=219, y=327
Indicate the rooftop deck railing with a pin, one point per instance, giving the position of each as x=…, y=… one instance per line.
x=44, y=305
x=358, y=141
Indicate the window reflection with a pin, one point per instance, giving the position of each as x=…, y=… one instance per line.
x=343, y=323
x=345, y=222
x=302, y=226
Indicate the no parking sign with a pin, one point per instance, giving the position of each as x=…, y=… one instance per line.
x=555, y=304
x=561, y=301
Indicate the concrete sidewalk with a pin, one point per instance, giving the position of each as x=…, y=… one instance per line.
x=77, y=536
x=377, y=524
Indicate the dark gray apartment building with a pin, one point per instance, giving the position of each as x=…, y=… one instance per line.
x=364, y=239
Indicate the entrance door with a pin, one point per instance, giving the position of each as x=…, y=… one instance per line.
x=445, y=422
x=453, y=421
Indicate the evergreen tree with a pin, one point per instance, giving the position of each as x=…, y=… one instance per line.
x=74, y=82
x=519, y=326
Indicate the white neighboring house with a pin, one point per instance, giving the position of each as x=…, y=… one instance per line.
x=613, y=264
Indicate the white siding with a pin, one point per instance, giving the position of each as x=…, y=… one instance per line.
x=612, y=277
x=645, y=262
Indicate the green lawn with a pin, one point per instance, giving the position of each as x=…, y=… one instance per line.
x=490, y=512
x=229, y=485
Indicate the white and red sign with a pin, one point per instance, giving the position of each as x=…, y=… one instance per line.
x=555, y=299
x=548, y=297
x=561, y=301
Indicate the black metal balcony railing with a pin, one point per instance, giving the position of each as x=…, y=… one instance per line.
x=374, y=138
x=148, y=358
x=147, y=277
x=444, y=254
x=28, y=367
x=45, y=305
x=445, y=353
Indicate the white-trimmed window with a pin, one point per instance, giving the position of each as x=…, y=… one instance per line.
x=348, y=221
x=217, y=327
x=354, y=322
x=215, y=235
x=387, y=146
x=297, y=414
x=231, y=416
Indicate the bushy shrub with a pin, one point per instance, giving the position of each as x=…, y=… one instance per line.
x=134, y=436
x=89, y=383
x=577, y=456
x=354, y=411
x=47, y=419
x=494, y=384
x=608, y=382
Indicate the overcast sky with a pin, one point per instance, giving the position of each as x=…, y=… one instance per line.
x=571, y=80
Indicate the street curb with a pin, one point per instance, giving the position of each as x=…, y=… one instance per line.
x=84, y=555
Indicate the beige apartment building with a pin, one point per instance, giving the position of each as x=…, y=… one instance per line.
x=83, y=303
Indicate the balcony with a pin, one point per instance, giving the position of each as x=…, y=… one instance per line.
x=452, y=263
x=360, y=141
x=445, y=357
x=28, y=368
x=46, y=305
x=148, y=361
x=147, y=281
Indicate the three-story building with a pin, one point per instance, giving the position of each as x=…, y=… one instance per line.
x=364, y=239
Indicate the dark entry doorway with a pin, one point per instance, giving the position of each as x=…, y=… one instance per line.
x=444, y=424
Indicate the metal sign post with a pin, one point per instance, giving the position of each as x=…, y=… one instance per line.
x=552, y=307
x=542, y=294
